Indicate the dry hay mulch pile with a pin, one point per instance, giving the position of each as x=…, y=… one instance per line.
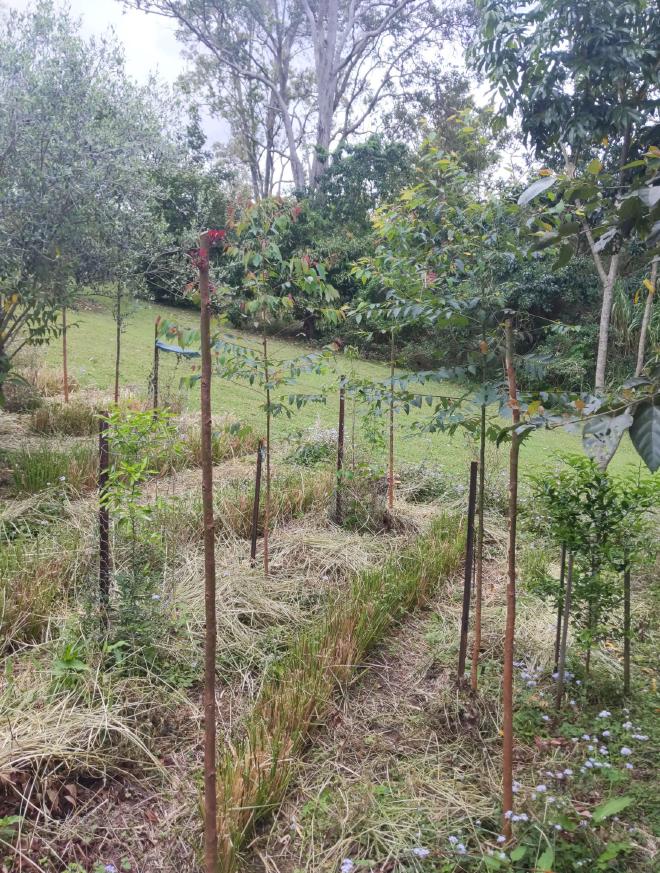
x=404, y=757
x=109, y=774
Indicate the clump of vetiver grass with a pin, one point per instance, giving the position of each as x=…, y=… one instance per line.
x=298, y=689
x=37, y=570
x=69, y=419
x=292, y=495
x=230, y=439
x=35, y=469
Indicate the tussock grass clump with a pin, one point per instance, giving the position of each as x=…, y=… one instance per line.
x=70, y=419
x=38, y=567
x=230, y=439
x=46, y=381
x=298, y=689
x=292, y=495
x=35, y=469
x=19, y=395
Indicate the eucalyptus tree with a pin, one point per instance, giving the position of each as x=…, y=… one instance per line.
x=583, y=78
x=296, y=77
x=79, y=145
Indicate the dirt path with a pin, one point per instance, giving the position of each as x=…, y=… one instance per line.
x=390, y=770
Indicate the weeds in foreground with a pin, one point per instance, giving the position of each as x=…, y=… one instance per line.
x=407, y=777
x=298, y=689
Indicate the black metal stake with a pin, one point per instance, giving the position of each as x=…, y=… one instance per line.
x=467, y=579
x=340, y=453
x=560, y=606
x=104, y=521
x=255, y=507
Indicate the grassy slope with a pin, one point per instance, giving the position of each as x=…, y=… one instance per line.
x=91, y=361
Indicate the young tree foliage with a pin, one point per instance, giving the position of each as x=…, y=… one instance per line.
x=79, y=146
x=582, y=77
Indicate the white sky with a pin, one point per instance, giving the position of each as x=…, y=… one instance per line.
x=149, y=42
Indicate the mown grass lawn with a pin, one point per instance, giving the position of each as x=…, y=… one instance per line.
x=91, y=361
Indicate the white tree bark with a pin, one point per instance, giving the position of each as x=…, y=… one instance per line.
x=646, y=318
x=605, y=316
x=356, y=45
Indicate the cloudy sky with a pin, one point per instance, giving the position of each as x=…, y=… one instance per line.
x=149, y=41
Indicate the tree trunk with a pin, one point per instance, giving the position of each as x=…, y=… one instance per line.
x=646, y=319
x=390, y=471
x=509, y=634
x=561, y=667
x=65, y=362
x=605, y=316
x=210, y=796
x=467, y=578
x=267, y=504
x=118, y=343
x=562, y=573
x=609, y=281
x=309, y=326
x=324, y=35
x=626, y=630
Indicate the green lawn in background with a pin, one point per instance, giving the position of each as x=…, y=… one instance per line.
x=91, y=360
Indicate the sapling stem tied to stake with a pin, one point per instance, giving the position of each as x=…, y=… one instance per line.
x=390, y=471
x=340, y=453
x=65, y=358
x=509, y=634
x=479, y=579
x=561, y=667
x=255, y=506
x=467, y=579
x=210, y=798
x=119, y=318
x=104, y=521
